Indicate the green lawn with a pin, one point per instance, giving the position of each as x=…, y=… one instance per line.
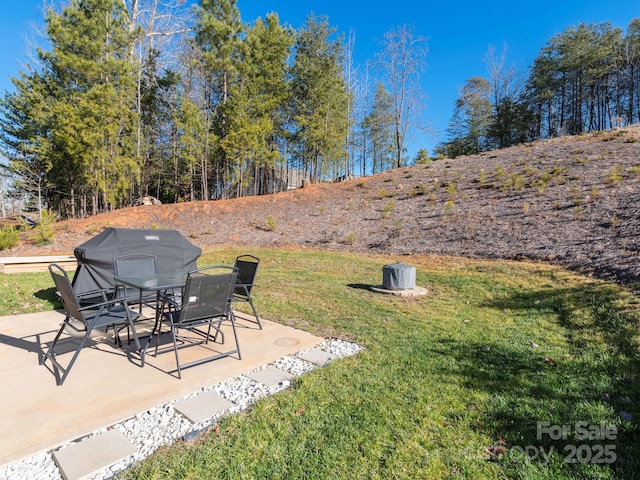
x=450, y=385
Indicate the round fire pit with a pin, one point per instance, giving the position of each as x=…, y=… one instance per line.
x=399, y=279
x=398, y=276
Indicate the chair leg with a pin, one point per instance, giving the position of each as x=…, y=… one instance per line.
x=174, y=333
x=255, y=314
x=232, y=318
x=139, y=349
x=49, y=352
x=157, y=335
x=56, y=365
x=218, y=332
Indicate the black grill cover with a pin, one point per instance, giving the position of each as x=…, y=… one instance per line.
x=95, y=257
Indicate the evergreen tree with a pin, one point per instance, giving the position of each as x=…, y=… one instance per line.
x=24, y=135
x=219, y=36
x=258, y=112
x=379, y=125
x=470, y=122
x=78, y=108
x=320, y=99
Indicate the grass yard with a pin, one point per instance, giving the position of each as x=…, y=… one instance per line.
x=475, y=380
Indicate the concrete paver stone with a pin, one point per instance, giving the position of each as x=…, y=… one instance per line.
x=316, y=356
x=270, y=376
x=93, y=454
x=202, y=406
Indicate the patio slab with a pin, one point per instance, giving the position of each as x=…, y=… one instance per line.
x=105, y=386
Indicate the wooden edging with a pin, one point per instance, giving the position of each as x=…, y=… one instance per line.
x=35, y=264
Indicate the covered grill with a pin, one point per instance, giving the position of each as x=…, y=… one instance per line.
x=174, y=253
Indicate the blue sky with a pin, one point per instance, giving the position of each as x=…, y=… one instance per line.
x=459, y=34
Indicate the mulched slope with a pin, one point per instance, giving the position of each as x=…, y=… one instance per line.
x=571, y=201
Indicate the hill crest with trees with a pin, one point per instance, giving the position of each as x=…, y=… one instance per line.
x=126, y=101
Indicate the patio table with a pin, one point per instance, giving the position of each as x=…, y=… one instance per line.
x=158, y=282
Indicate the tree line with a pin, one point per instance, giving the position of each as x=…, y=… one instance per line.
x=584, y=79
x=134, y=98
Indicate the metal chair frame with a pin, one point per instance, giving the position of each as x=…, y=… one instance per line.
x=247, y=266
x=206, y=303
x=112, y=313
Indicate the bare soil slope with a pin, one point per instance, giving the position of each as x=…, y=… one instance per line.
x=572, y=201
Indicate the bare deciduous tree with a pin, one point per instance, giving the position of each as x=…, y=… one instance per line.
x=402, y=60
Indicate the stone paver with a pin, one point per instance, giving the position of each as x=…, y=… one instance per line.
x=316, y=356
x=270, y=376
x=93, y=454
x=202, y=406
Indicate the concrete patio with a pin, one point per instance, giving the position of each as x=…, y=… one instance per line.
x=107, y=386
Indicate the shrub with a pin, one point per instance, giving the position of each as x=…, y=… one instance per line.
x=43, y=232
x=387, y=208
x=384, y=194
x=349, y=239
x=9, y=237
x=449, y=206
x=270, y=223
x=615, y=175
x=635, y=170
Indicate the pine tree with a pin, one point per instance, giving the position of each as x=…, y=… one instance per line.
x=379, y=125
x=258, y=114
x=320, y=99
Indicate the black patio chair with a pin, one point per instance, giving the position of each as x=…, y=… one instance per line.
x=247, y=266
x=205, y=306
x=131, y=265
x=112, y=313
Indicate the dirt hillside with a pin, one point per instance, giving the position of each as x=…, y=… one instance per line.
x=572, y=201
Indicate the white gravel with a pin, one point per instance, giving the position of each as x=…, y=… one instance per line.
x=163, y=425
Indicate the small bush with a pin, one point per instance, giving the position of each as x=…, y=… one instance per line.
x=615, y=176
x=421, y=189
x=387, y=208
x=540, y=185
x=349, y=239
x=635, y=170
x=449, y=206
x=42, y=234
x=384, y=194
x=9, y=238
x=270, y=223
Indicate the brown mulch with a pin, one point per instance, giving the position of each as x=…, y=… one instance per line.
x=572, y=201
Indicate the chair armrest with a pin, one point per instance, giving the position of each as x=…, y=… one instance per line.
x=169, y=300
x=108, y=303
x=92, y=293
